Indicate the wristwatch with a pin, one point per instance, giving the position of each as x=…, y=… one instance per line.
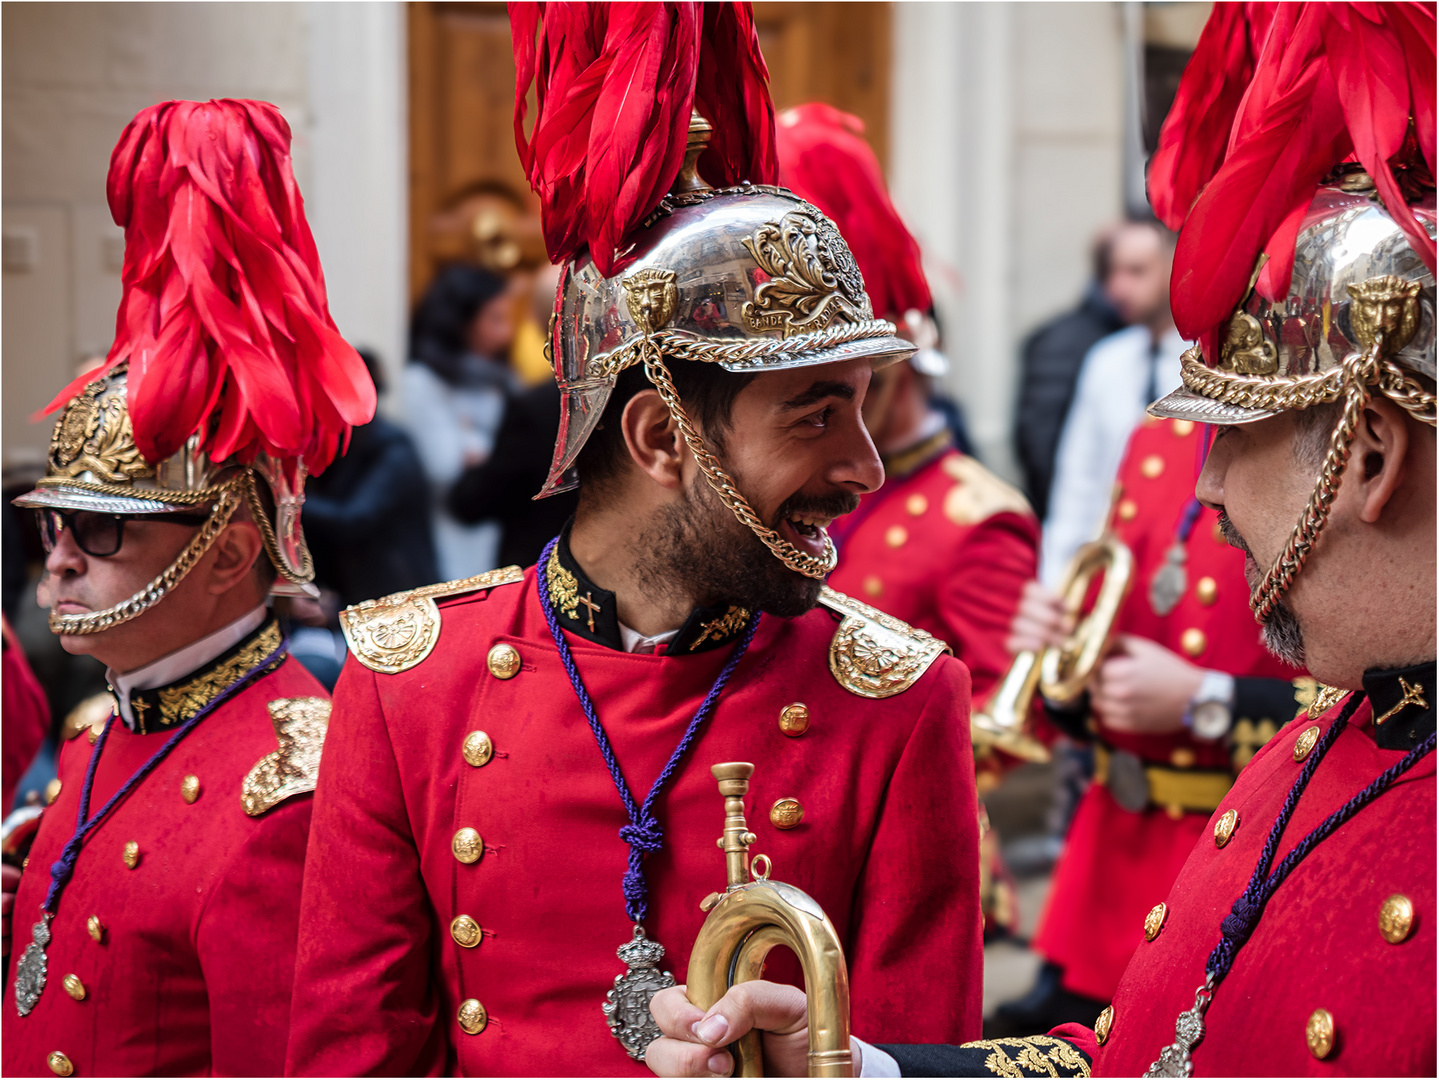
x=1211, y=710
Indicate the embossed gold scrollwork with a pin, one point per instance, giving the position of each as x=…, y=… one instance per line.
x=651, y=297
x=300, y=726
x=813, y=278
x=94, y=435
x=873, y=654
x=564, y=587
x=180, y=702
x=1245, y=349
x=1386, y=306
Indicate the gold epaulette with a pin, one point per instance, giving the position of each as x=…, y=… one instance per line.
x=394, y=633
x=300, y=725
x=873, y=654
x=978, y=493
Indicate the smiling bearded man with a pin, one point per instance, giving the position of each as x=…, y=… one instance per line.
x=517, y=780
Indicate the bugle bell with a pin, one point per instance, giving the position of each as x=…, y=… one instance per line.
x=752, y=916
x=1060, y=672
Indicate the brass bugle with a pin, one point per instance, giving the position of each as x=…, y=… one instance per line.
x=1060, y=672
x=753, y=916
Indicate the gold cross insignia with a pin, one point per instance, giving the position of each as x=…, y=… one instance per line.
x=593, y=610
x=1413, y=695
x=138, y=707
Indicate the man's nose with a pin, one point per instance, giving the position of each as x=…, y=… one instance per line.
x=66, y=557
x=1209, y=488
x=858, y=467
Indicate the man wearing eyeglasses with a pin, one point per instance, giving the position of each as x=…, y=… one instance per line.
x=155, y=927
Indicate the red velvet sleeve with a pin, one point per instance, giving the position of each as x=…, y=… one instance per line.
x=917, y=903
x=26, y=718
x=979, y=597
x=365, y=1003
x=245, y=940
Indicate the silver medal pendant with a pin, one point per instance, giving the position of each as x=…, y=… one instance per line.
x=30, y=972
x=627, y=1006
x=1167, y=587
x=1174, y=1059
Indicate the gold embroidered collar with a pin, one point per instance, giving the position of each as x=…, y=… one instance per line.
x=165, y=706
x=586, y=609
x=922, y=453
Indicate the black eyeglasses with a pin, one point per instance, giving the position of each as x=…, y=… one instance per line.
x=97, y=534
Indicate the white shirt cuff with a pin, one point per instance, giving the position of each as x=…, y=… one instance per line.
x=873, y=1060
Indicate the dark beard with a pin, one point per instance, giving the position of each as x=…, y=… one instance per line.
x=697, y=548
x=1281, y=632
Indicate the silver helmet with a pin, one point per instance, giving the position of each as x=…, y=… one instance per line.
x=94, y=464
x=1359, y=318
x=750, y=277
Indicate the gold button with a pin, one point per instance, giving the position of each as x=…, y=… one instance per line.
x=1182, y=758
x=1181, y=427
x=873, y=586
x=25, y=864
x=1207, y=589
x=478, y=749
x=916, y=504
x=1396, y=918
x=59, y=1064
x=786, y=814
x=132, y=854
x=466, y=932
x=794, y=719
x=92, y=735
x=1127, y=510
x=1193, y=641
x=74, y=987
x=96, y=927
x=503, y=662
x=190, y=789
x=52, y=789
x=1219, y=535
x=896, y=535
x=1152, y=466
x=1319, y=1033
x=1103, y=1024
x=1225, y=826
x=467, y=846
x=473, y=1018
x=1154, y=921
x=1305, y=743
x=1174, y=811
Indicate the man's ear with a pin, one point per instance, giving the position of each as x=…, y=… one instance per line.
x=236, y=549
x=1378, y=457
x=653, y=438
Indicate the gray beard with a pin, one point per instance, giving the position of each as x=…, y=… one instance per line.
x=1281, y=633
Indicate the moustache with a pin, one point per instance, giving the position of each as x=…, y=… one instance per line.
x=1231, y=534
x=833, y=506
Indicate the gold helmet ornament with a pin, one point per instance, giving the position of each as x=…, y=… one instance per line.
x=1306, y=255
x=658, y=264
x=227, y=382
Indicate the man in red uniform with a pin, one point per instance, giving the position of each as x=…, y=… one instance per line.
x=156, y=922
x=1183, y=701
x=522, y=759
x=1317, y=874
x=943, y=544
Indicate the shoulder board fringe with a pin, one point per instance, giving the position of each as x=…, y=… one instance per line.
x=873, y=654
x=300, y=725
x=394, y=633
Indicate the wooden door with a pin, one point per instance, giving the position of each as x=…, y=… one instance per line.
x=462, y=85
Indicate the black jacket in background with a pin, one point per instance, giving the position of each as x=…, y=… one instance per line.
x=504, y=487
x=1050, y=360
x=367, y=517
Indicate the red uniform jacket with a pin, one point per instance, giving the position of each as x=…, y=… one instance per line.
x=26, y=717
x=1118, y=864
x=887, y=844
x=1319, y=943
x=189, y=965
x=948, y=548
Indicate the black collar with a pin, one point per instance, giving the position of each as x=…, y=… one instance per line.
x=1403, y=704
x=166, y=706
x=586, y=609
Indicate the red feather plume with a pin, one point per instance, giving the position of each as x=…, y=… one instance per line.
x=223, y=319
x=614, y=85
x=824, y=158
x=1274, y=97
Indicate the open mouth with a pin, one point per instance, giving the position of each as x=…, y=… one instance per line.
x=806, y=531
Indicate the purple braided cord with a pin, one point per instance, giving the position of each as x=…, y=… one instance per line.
x=643, y=833
x=1244, y=916
x=63, y=868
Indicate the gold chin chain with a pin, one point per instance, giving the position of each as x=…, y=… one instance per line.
x=811, y=566
x=96, y=622
x=1353, y=381
x=306, y=573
